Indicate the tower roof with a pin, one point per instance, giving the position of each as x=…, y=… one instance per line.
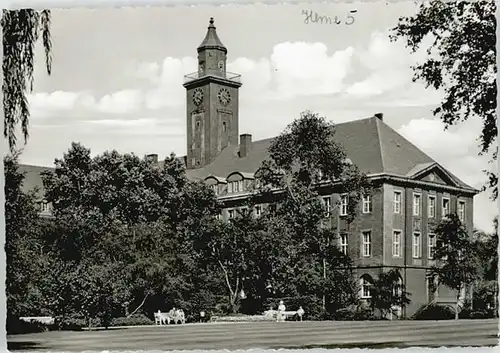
x=211, y=40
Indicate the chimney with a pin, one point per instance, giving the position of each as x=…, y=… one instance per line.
x=379, y=116
x=152, y=157
x=245, y=144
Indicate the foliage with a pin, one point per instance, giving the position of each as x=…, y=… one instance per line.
x=388, y=292
x=124, y=234
x=462, y=62
x=21, y=31
x=434, y=312
x=456, y=261
x=303, y=157
x=23, y=245
x=134, y=320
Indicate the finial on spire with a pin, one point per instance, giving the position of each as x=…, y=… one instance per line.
x=211, y=21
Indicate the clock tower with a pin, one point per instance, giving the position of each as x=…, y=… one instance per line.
x=212, y=103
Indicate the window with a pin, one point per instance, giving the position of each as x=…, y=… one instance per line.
x=215, y=188
x=365, y=288
x=235, y=186
x=258, y=211
x=367, y=204
x=431, y=207
x=44, y=207
x=327, y=203
x=224, y=126
x=397, y=202
x=431, y=246
x=367, y=244
x=343, y=243
x=461, y=211
x=445, y=207
x=230, y=214
x=396, y=243
x=416, y=204
x=416, y=245
x=343, y=205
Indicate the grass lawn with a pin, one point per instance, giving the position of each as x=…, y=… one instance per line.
x=272, y=335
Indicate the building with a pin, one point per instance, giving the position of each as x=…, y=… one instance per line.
x=394, y=229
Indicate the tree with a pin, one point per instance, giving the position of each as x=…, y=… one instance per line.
x=302, y=160
x=21, y=31
x=126, y=226
x=486, y=287
x=22, y=241
x=456, y=262
x=388, y=293
x=462, y=62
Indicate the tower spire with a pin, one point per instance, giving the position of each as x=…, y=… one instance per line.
x=211, y=40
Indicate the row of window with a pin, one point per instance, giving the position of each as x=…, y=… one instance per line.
x=431, y=206
x=344, y=204
x=396, y=244
x=366, y=283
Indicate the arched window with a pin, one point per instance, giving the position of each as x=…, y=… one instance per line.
x=366, y=283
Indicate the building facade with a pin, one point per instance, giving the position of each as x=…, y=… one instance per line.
x=394, y=228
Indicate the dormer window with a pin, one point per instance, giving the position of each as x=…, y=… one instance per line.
x=44, y=207
x=235, y=186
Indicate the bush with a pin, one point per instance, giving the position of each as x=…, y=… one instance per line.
x=476, y=314
x=16, y=326
x=76, y=323
x=134, y=320
x=354, y=314
x=434, y=312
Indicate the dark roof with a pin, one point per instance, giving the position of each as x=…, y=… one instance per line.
x=32, y=177
x=370, y=143
x=212, y=40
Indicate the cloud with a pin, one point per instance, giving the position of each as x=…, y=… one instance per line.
x=388, y=65
x=457, y=150
x=124, y=101
x=42, y=103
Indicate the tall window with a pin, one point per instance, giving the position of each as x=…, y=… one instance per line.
x=445, y=208
x=431, y=245
x=367, y=204
x=258, y=211
x=230, y=214
x=230, y=187
x=343, y=243
x=327, y=203
x=215, y=188
x=367, y=243
x=431, y=207
x=241, y=185
x=397, y=202
x=416, y=204
x=396, y=243
x=343, y=205
x=417, y=242
x=365, y=288
x=461, y=211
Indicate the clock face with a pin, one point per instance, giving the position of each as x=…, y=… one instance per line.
x=224, y=96
x=197, y=96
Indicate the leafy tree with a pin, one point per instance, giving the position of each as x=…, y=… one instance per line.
x=123, y=217
x=302, y=159
x=486, y=248
x=21, y=31
x=22, y=242
x=462, y=62
x=388, y=293
x=456, y=262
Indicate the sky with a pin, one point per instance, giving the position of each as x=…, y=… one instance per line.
x=118, y=73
